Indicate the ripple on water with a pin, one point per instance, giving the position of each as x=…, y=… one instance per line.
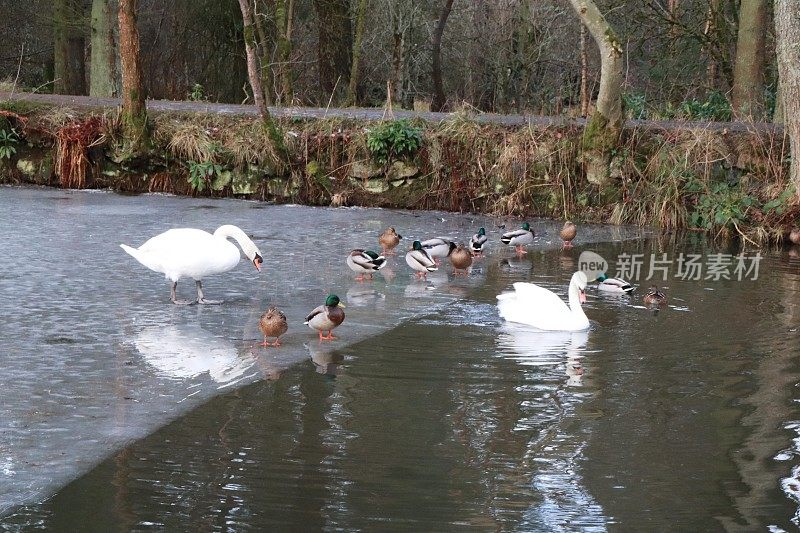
x=501, y=427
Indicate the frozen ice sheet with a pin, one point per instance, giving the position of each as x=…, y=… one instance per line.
x=94, y=354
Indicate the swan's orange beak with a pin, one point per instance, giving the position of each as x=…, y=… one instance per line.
x=582, y=296
x=257, y=261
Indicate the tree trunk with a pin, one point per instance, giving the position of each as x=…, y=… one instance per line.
x=68, y=48
x=134, y=112
x=103, y=65
x=396, y=73
x=254, y=74
x=352, y=90
x=777, y=114
x=603, y=130
x=711, y=69
x=787, y=36
x=477, y=93
x=438, y=101
x=266, y=43
x=672, y=9
x=584, y=74
x=283, y=20
x=749, y=67
x=333, y=47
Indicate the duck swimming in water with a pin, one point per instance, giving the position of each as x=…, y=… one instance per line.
x=616, y=285
x=655, y=297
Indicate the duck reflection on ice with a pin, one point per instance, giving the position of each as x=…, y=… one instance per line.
x=516, y=265
x=532, y=347
x=325, y=358
x=187, y=351
x=364, y=296
x=419, y=290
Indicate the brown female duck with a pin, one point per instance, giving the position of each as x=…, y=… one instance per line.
x=272, y=324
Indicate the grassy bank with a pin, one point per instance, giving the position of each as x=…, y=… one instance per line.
x=729, y=183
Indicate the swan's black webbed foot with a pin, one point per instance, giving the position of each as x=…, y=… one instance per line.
x=174, y=297
x=201, y=299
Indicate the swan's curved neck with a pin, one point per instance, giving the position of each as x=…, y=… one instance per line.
x=575, y=301
x=231, y=231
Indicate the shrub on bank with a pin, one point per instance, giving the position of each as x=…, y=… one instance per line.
x=709, y=179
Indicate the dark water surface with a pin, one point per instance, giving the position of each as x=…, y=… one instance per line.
x=123, y=412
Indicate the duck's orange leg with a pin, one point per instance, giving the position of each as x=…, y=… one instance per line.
x=328, y=337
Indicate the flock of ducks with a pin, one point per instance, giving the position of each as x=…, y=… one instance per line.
x=194, y=253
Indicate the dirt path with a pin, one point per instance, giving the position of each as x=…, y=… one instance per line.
x=377, y=114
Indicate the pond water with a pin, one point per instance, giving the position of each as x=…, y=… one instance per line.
x=123, y=411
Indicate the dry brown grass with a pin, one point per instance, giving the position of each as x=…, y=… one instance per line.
x=247, y=142
x=161, y=182
x=659, y=177
x=73, y=143
x=191, y=138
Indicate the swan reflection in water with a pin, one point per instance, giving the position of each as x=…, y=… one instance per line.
x=532, y=347
x=187, y=351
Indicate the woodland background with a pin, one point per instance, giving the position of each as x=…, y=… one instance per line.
x=682, y=58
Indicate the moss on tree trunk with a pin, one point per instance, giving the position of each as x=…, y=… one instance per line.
x=602, y=133
x=253, y=72
x=600, y=138
x=134, y=112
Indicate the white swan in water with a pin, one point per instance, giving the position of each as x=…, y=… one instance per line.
x=538, y=307
x=194, y=253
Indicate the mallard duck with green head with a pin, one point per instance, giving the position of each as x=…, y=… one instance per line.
x=418, y=259
x=273, y=324
x=365, y=262
x=477, y=242
x=615, y=285
x=438, y=248
x=519, y=238
x=326, y=317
